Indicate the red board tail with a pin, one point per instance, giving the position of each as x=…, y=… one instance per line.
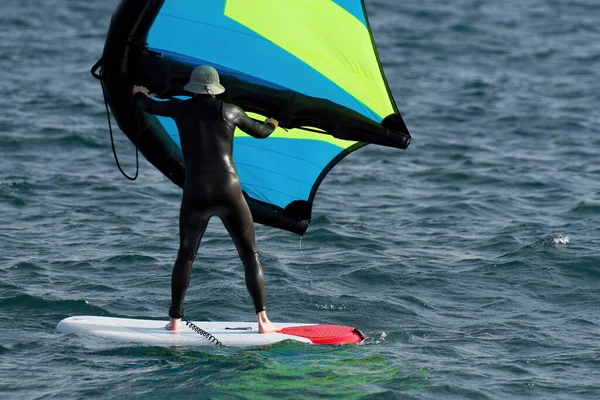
x=326, y=334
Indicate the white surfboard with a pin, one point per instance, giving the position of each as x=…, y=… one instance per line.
x=238, y=334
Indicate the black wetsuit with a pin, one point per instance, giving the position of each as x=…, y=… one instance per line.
x=206, y=126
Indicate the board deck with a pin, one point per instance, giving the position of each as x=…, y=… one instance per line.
x=238, y=334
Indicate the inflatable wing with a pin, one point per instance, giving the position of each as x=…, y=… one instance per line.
x=311, y=64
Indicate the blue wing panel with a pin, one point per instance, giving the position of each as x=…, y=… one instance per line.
x=281, y=170
x=275, y=170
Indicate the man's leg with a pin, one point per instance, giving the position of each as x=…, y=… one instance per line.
x=192, y=225
x=240, y=226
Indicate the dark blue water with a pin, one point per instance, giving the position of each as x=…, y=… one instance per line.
x=471, y=260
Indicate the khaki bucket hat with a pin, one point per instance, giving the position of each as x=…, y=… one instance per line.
x=204, y=80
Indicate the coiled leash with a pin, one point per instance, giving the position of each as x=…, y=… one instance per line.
x=202, y=332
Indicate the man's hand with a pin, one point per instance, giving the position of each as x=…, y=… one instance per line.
x=272, y=121
x=142, y=89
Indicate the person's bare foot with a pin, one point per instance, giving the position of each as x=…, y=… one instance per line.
x=174, y=324
x=264, y=324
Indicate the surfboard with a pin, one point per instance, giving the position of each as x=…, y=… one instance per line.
x=237, y=334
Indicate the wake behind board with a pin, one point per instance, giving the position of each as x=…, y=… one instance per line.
x=237, y=334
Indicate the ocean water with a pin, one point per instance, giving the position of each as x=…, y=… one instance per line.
x=471, y=260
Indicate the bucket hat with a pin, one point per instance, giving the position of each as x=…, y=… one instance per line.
x=204, y=80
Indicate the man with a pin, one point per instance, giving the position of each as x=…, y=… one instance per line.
x=212, y=187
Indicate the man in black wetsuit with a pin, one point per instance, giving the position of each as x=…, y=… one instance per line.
x=206, y=126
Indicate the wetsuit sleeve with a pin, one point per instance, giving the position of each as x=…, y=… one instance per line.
x=162, y=108
x=240, y=119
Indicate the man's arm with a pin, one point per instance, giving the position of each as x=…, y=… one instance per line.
x=162, y=108
x=253, y=128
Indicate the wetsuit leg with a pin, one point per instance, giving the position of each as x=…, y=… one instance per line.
x=240, y=225
x=192, y=225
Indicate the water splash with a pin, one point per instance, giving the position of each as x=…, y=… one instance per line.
x=331, y=307
x=381, y=338
x=560, y=239
x=302, y=254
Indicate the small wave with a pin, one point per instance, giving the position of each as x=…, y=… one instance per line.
x=586, y=208
x=15, y=184
x=27, y=303
x=130, y=258
x=75, y=140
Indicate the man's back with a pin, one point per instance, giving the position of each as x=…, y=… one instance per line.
x=206, y=136
x=206, y=129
